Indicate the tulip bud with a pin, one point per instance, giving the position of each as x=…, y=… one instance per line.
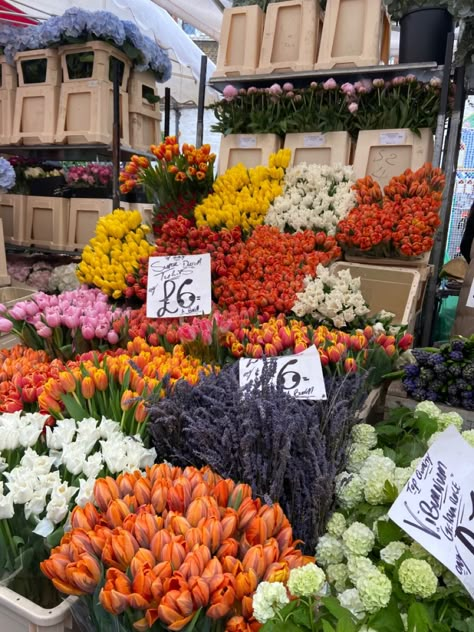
x=105, y=490
x=88, y=387
x=67, y=381
x=350, y=365
x=101, y=380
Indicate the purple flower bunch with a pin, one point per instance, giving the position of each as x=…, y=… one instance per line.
x=64, y=325
x=95, y=174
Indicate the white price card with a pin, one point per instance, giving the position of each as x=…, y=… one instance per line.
x=436, y=506
x=314, y=140
x=179, y=286
x=247, y=142
x=298, y=375
x=392, y=138
x=470, y=298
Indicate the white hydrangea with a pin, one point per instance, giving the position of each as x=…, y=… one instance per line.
x=364, y=434
x=468, y=435
x=63, y=279
x=428, y=408
x=336, y=524
x=376, y=472
x=375, y=590
x=329, y=550
x=393, y=552
x=350, y=599
x=315, y=197
x=306, y=580
x=358, y=566
x=357, y=455
x=358, y=539
x=401, y=477
x=450, y=419
x=420, y=553
x=269, y=599
x=337, y=576
x=349, y=489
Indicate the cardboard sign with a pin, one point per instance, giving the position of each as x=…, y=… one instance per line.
x=436, y=507
x=179, y=286
x=470, y=298
x=314, y=140
x=392, y=138
x=248, y=142
x=300, y=376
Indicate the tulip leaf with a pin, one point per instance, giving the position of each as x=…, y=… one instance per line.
x=388, y=532
x=327, y=627
x=190, y=627
x=335, y=608
x=388, y=619
x=73, y=408
x=345, y=625
x=419, y=619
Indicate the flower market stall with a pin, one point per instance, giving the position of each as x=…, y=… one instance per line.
x=197, y=420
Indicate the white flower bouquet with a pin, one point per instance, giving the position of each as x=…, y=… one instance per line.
x=44, y=472
x=315, y=197
x=335, y=299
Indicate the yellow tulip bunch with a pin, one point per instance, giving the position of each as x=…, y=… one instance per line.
x=114, y=252
x=243, y=196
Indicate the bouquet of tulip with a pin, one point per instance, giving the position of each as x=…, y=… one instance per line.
x=315, y=197
x=114, y=252
x=43, y=469
x=401, y=222
x=172, y=548
x=64, y=325
x=374, y=569
x=241, y=196
x=118, y=384
x=176, y=183
x=331, y=298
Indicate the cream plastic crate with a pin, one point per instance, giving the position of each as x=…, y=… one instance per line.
x=86, y=105
x=322, y=149
x=355, y=33
x=241, y=41
x=251, y=150
x=13, y=215
x=84, y=214
x=47, y=222
x=386, y=288
x=18, y=614
x=146, y=211
x=7, y=100
x=4, y=278
x=36, y=104
x=416, y=262
x=384, y=154
x=290, y=37
x=145, y=117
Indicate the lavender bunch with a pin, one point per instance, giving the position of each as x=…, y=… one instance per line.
x=288, y=450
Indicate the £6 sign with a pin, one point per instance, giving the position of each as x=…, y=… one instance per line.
x=436, y=506
x=179, y=286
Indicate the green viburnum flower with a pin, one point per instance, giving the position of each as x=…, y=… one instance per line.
x=336, y=525
x=329, y=550
x=364, y=434
x=337, y=576
x=468, y=435
x=349, y=489
x=450, y=419
x=306, y=580
x=392, y=552
x=375, y=590
x=401, y=477
x=421, y=553
x=269, y=599
x=359, y=566
x=357, y=455
x=417, y=578
x=451, y=580
x=350, y=599
x=358, y=539
x=429, y=408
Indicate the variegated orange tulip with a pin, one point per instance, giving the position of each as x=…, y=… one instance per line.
x=176, y=523
x=284, y=538
x=145, y=528
x=271, y=551
x=277, y=572
x=229, y=521
x=176, y=609
x=255, y=559
x=256, y=531
x=84, y=517
x=142, y=558
x=142, y=594
x=213, y=527
x=119, y=550
x=173, y=552
x=246, y=584
x=232, y=565
x=142, y=491
x=99, y=537
x=179, y=496
x=195, y=562
x=114, y=595
x=222, y=491
x=237, y=624
x=247, y=512
x=158, y=542
x=105, y=490
x=55, y=566
x=126, y=482
x=117, y=511
x=222, y=598
x=200, y=591
x=230, y=546
x=196, y=511
x=82, y=542
x=238, y=494
x=84, y=575
x=159, y=494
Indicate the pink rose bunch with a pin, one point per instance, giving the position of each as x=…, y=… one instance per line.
x=64, y=325
x=93, y=174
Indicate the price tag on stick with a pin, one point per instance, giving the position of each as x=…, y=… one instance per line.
x=436, y=506
x=298, y=375
x=179, y=286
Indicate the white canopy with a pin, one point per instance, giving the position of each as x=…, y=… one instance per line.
x=205, y=15
x=155, y=22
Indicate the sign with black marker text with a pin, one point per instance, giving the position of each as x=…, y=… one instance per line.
x=436, y=506
x=299, y=375
x=179, y=286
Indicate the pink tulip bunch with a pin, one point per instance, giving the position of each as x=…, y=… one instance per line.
x=93, y=174
x=64, y=325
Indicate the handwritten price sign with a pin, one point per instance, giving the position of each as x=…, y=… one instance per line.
x=179, y=286
x=436, y=507
x=298, y=375
x=470, y=298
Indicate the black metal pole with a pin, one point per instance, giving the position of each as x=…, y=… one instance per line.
x=201, y=101
x=167, y=111
x=116, y=133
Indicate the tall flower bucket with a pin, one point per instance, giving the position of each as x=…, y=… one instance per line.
x=322, y=149
x=384, y=154
x=355, y=33
x=251, y=150
x=37, y=97
x=8, y=84
x=86, y=98
x=291, y=36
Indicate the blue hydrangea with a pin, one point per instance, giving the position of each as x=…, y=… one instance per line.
x=7, y=175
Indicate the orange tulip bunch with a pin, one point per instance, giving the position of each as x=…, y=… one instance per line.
x=116, y=384
x=174, y=547
x=402, y=221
